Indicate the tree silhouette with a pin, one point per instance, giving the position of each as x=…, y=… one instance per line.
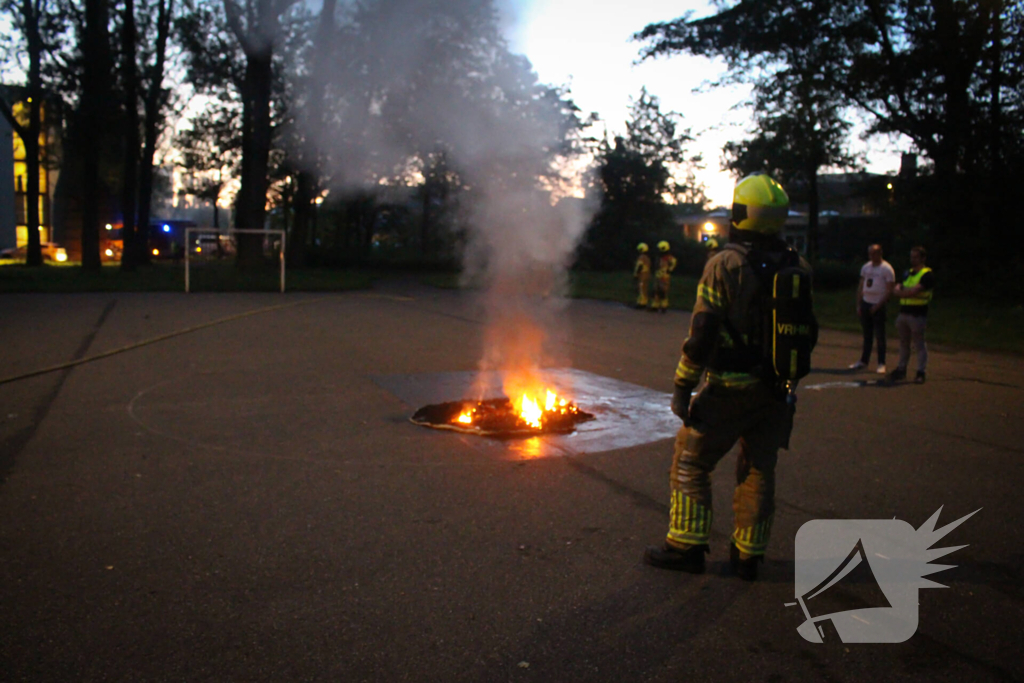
x=634, y=177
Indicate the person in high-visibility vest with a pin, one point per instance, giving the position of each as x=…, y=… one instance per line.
x=915, y=293
x=642, y=275
x=663, y=277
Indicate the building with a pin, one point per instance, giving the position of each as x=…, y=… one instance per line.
x=845, y=199
x=702, y=225
x=8, y=232
x=14, y=174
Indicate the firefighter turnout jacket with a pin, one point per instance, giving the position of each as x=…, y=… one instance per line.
x=728, y=291
x=643, y=266
x=666, y=264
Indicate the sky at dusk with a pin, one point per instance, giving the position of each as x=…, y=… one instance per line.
x=587, y=45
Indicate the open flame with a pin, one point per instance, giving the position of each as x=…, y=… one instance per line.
x=528, y=409
x=530, y=412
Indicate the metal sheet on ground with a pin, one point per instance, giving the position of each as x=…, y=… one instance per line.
x=627, y=414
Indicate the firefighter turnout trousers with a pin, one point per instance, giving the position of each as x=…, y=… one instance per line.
x=662, y=283
x=643, y=281
x=719, y=417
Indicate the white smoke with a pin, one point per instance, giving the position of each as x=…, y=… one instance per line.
x=419, y=76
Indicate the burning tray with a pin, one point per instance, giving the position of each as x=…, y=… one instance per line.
x=499, y=417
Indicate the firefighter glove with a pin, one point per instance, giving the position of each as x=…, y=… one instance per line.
x=681, y=401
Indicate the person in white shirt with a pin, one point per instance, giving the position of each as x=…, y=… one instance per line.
x=877, y=279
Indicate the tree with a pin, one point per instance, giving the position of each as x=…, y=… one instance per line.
x=440, y=184
x=634, y=175
x=370, y=98
x=429, y=94
x=945, y=74
x=256, y=27
x=799, y=129
x=92, y=115
x=309, y=158
x=654, y=135
x=154, y=102
x=209, y=150
x=129, y=193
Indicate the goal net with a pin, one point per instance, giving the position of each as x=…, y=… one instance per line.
x=210, y=261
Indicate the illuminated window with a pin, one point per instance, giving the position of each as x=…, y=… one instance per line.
x=21, y=111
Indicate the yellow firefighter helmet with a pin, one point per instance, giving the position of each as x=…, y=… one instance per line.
x=663, y=246
x=759, y=204
x=642, y=247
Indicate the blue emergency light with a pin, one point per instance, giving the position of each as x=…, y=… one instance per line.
x=167, y=228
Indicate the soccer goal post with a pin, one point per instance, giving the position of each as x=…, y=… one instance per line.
x=206, y=245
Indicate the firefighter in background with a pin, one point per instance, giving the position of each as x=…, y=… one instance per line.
x=737, y=402
x=712, y=245
x=663, y=277
x=642, y=275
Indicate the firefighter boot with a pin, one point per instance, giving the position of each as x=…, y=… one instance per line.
x=690, y=560
x=746, y=568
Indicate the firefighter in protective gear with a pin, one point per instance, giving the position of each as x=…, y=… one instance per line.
x=642, y=275
x=663, y=277
x=736, y=401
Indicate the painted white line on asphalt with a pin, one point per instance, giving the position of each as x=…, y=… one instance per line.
x=835, y=385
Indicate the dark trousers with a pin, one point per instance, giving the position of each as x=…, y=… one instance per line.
x=873, y=325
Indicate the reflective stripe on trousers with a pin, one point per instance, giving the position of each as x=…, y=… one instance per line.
x=719, y=418
x=643, y=282
x=753, y=540
x=661, y=287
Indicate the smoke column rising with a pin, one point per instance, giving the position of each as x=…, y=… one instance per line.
x=423, y=76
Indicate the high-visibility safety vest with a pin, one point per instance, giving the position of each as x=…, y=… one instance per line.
x=921, y=298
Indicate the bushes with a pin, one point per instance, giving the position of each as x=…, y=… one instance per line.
x=691, y=256
x=832, y=275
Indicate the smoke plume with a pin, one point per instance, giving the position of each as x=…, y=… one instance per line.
x=421, y=77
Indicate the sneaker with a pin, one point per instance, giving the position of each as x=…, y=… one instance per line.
x=880, y=370
x=919, y=377
x=858, y=365
x=690, y=560
x=746, y=568
x=896, y=375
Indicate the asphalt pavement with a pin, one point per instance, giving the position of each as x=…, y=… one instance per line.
x=244, y=499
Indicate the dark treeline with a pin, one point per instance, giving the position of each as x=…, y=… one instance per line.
x=339, y=118
x=335, y=121
x=947, y=75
